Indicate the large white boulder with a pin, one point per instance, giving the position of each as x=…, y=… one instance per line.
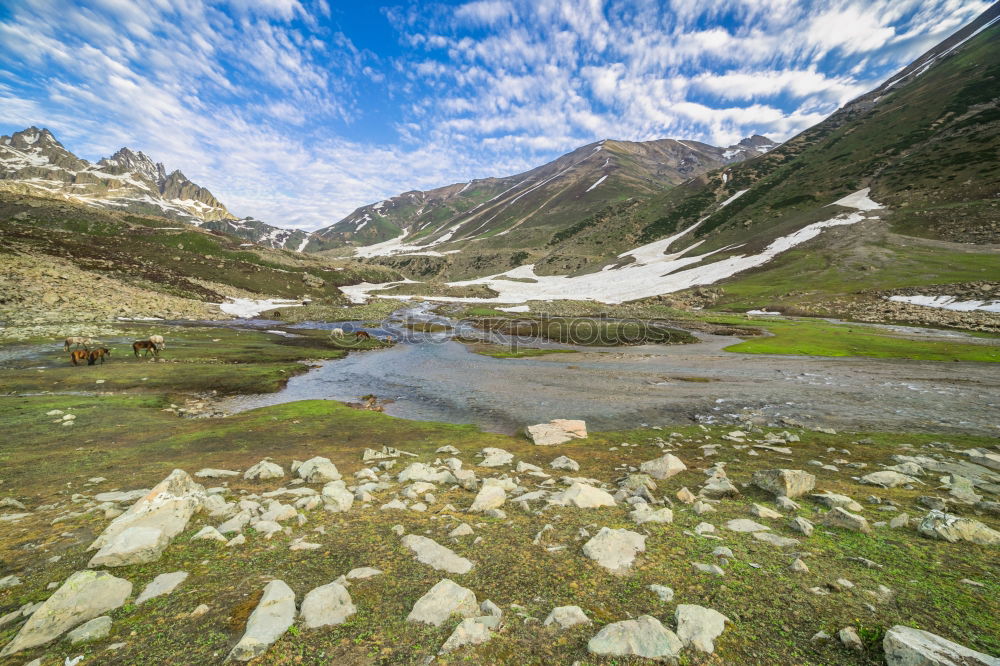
x=490, y=496
x=698, y=626
x=167, y=508
x=951, y=528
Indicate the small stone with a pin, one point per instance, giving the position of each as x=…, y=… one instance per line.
x=764, y=512
x=435, y=555
x=563, y=462
x=263, y=471
x=839, y=517
x=666, y=594
x=798, y=566
x=744, y=525
x=663, y=467
x=789, y=483
x=802, y=525
x=849, y=638
x=566, y=617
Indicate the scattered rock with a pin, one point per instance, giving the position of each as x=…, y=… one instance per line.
x=263, y=471
x=887, y=479
x=849, y=638
x=491, y=496
x=583, y=496
x=318, y=470
x=951, y=528
x=745, y=525
x=699, y=627
x=326, y=606
x=789, y=483
x=161, y=585
x=562, y=462
x=435, y=555
x=94, y=630
x=84, y=596
x=663, y=467
x=642, y=637
x=471, y=631
x=274, y=614
x=445, y=599
x=840, y=517
x=775, y=540
x=666, y=594
x=905, y=646
x=802, y=525
x=615, y=550
x=566, y=617
x=210, y=473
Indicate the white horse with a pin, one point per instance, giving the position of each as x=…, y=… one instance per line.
x=337, y=332
x=78, y=342
x=158, y=341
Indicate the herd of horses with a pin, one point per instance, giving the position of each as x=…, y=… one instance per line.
x=152, y=345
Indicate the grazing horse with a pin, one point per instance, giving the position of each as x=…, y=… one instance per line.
x=158, y=341
x=362, y=335
x=337, y=332
x=147, y=346
x=78, y=342
x=99, y=353
x=77, y=356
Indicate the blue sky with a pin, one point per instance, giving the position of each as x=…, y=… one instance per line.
x=298, y=111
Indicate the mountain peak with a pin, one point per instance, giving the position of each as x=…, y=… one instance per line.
x=32, y=138
x=128, y=161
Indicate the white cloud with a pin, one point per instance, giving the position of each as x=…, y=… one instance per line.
x=274, y=108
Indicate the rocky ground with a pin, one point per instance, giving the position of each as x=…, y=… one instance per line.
x=695, y=545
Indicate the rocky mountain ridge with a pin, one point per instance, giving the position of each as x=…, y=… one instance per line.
x=34, y=162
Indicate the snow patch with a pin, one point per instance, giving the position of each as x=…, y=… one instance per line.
x=858, y=201
x=948, y=303
x=245, y=308
x=516, y=308
x=733, y=198
x=358, y=293
x=599, y=181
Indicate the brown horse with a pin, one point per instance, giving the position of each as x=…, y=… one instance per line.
x=362, y=335
x=78, y=356
x=98, y=354
x=147, y=346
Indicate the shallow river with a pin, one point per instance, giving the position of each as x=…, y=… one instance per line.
x=430, y=377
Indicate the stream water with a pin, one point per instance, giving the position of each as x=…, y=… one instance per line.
x=428, y=376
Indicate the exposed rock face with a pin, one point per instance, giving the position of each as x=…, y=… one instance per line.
x=905, y=646
x=556, y=431
x=435, y=555
x=142, y=533
x=940, y=525
x=615, y=550
x=663, y=467
x=642, y=637
x=789, y=483
x=84, y=596
x=327, y=605
x=442, y=601
x=274, y=614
